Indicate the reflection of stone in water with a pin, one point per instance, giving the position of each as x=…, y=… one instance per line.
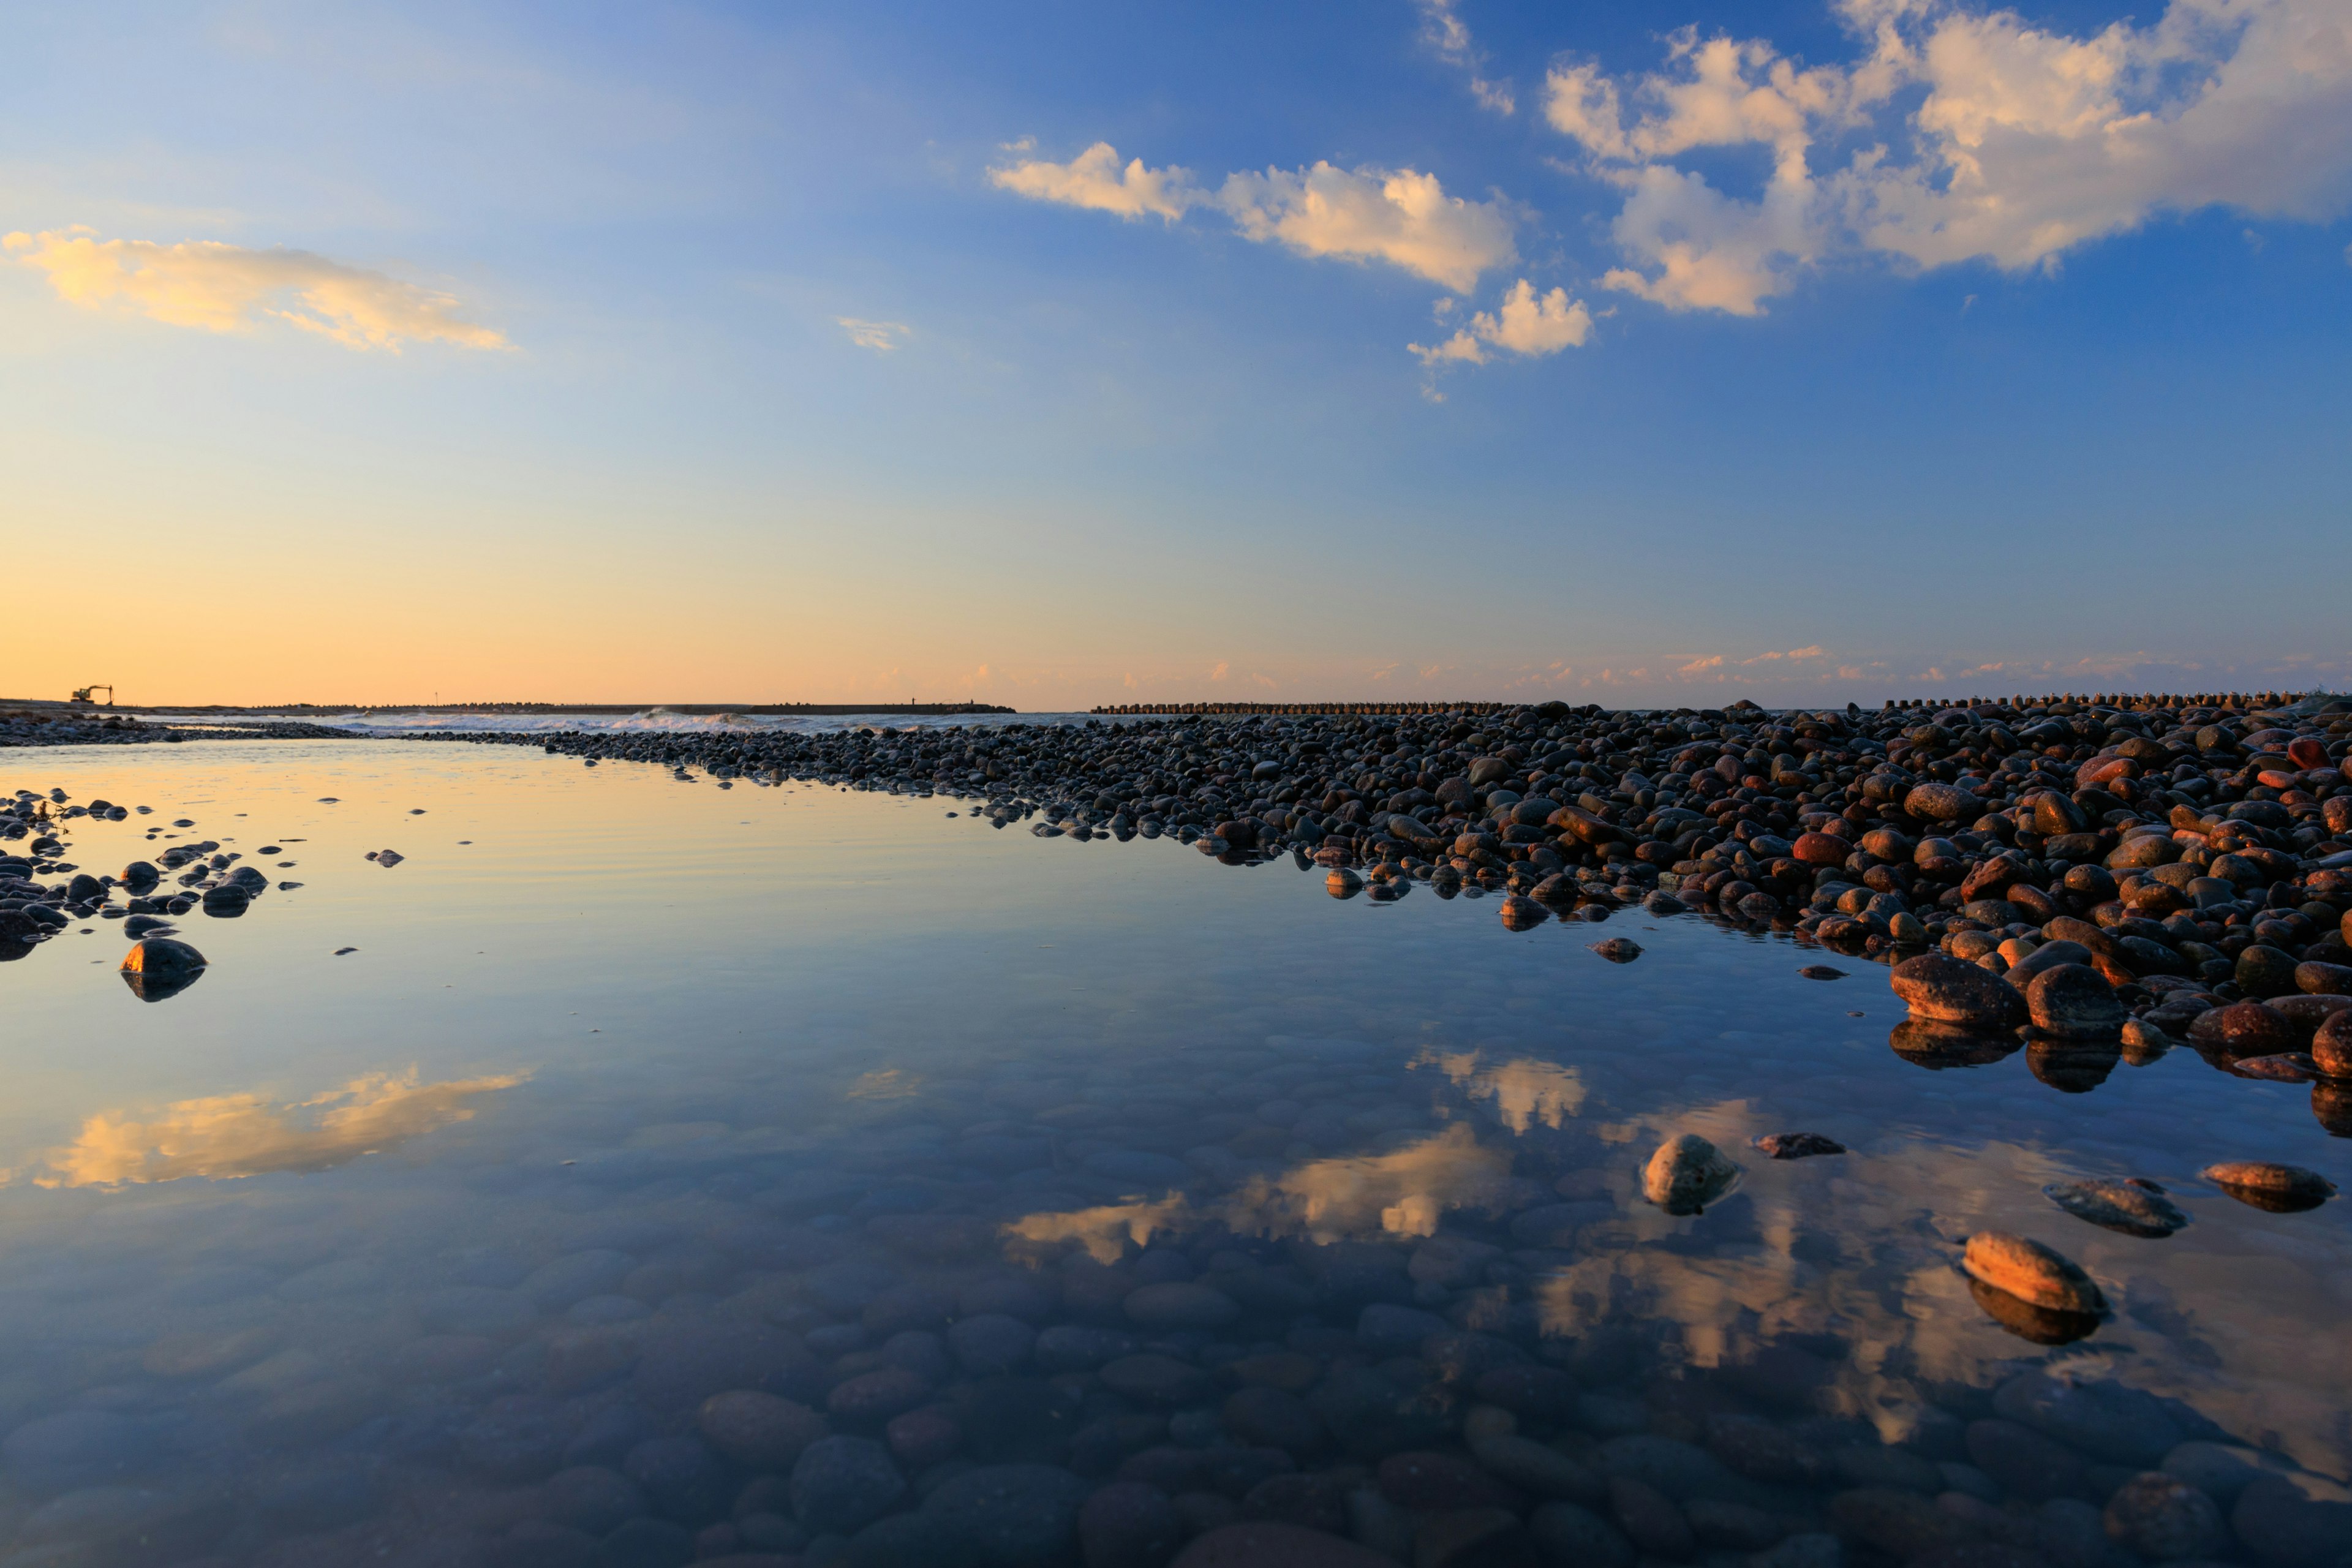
x=157, y=985
x=1104, y=1232
x=1398, y=1194
x=2042, y=1325
x=2331, y=1102
x=230, y=1135
x=1524, y=1091
x=2072, y=1067
x=1937, y=1046
x=887, y=1083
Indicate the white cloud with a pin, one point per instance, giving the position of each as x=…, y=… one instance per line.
x=1094, y=179
x=880, y=336
x=1443, y=30
x=1525, y=323
x=1963, y=134
x=1397, y=216
x=224, y=288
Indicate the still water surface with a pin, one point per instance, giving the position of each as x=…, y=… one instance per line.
x=617, y=1059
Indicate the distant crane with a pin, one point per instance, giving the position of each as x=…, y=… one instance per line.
x=83, y=695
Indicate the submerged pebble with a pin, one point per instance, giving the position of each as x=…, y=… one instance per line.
x=2133, y=1206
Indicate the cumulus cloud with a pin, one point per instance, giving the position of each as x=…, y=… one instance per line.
x=1962, y=134
x=1526, y=323
x=880, y=336
x=1094, y=179
x=1445, y=33
x=224, y=288
x=1400, y=217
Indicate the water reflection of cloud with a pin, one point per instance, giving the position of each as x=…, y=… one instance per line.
x=1403, y=1193
x=884, y=1083
x=1524, y=1091
x=1846, y=1267
x=1106, y=1231
x=230, y=1135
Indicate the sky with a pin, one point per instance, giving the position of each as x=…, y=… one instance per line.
x=1057, y=354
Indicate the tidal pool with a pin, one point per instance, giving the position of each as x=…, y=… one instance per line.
x=1008, y=1168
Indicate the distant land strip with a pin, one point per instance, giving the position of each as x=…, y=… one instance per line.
x=2119, y=701
x=686, y=708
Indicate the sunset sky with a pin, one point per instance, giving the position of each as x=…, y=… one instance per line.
x=1057, y=354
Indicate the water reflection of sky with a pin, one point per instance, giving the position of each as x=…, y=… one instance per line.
x=597, y=995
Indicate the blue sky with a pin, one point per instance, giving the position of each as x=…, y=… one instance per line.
x=761, y=353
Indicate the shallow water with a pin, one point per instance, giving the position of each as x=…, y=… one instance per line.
x=764, y=1053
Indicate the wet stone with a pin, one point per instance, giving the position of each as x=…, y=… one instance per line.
x=1260, y=1544
x=2109, y=1420
x=1686, y=1173
x=593, y=1499
x=1273, y=1418
x=1539, y=1470
x=990, y=1343
x=759, y=1431
x=921, y=1439
x=1128, y=1525
x=2075, y=1001
x=2133, y=1206
x=682, y=1478
x=1385, y=1329
x=1797, y=1145
x=2164, y=1519
x=1159, y=1308
x=1426, y=1482
x=1011, y=1515
x=839, y=1485
x=2266, y=1184
x=1075, y=1347
x=1943, y=989
x=2030, y=1272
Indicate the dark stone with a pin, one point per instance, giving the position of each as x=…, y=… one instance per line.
x=682, y=1478
x=680, y=1369
x=2109, y=1420
x=1311, y=1502
x=2075, y=1001
x=911, y=1541
x=1432, y=1481
x=1128, y=1525
x=842, y=1484
x=1570, y=1536
x=2165, y=1519
x=1274, y=1418
x=1797, y=1145
x=1011, y=1515
x=519, y=1437
x=759, y=1431
x=1265, y=1545
x=1904, y=1525
x=2023, y=1461
x=1650, y=1519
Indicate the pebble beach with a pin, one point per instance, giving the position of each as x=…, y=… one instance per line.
x=930, y=1143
